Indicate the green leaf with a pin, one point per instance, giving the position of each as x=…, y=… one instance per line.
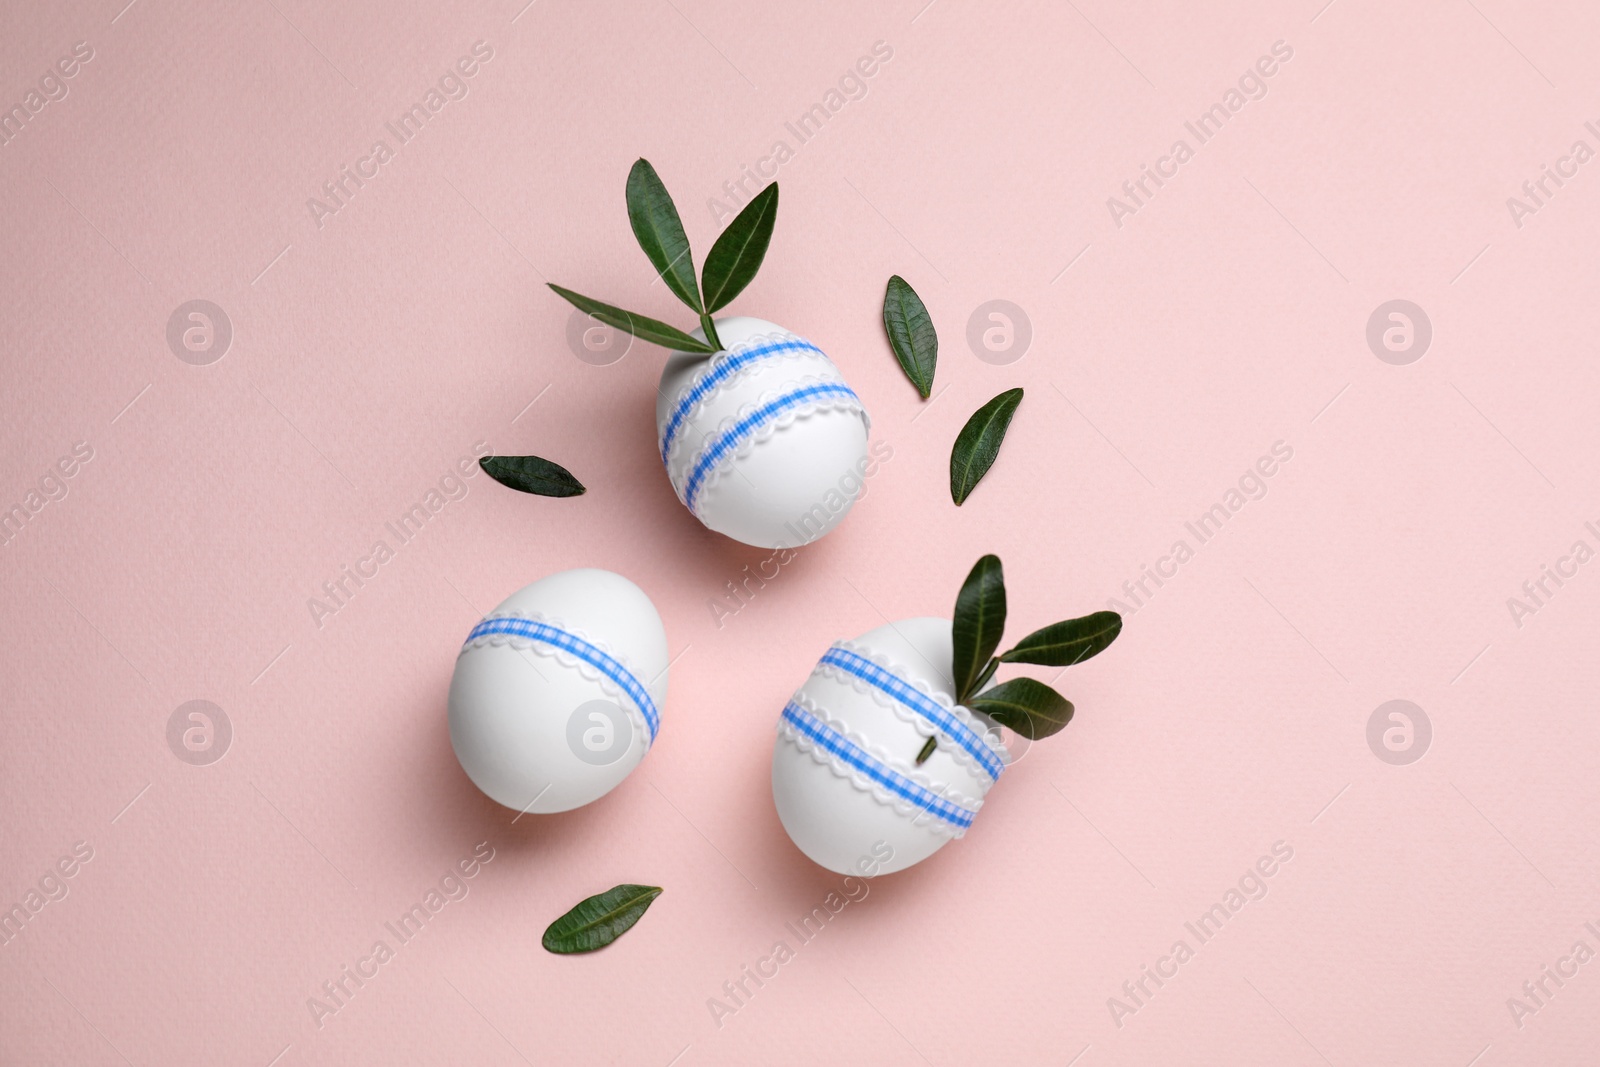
x=599, y=920
x=1061, y=644
x=927, y=750
x=978, y=443
x=911, y=333
x=1031, y=708
x=530, y=474
x=980, y=619
x=734, y=259
x=660, y=232
x=642, y=327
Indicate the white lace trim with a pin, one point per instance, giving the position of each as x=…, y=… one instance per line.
x=765, y=432
x=980, y=725
x=567, y=659
x=878, y=792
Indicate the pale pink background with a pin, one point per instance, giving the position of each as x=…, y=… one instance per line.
x=369, y=354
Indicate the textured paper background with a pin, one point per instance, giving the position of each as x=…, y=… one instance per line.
x=368, y=354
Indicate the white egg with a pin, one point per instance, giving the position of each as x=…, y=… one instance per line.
x=844, y=772
x=557, y=694
x=764, y=442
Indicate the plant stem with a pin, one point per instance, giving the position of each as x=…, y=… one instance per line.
x=711, y=331
x=983, y=676
x=927, y=750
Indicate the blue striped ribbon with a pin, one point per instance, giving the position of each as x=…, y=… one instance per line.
x=735, y=362
x=577, y=646
x=910, y=696
x=836, y=744
x=720, y=445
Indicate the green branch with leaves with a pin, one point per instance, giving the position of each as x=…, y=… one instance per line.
x=1027, y=706
x=732, y=264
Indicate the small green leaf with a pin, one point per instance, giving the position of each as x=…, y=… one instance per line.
x=927, y=750
x=660, y=232
x=980, y=619
x=734, y=259
x=642, y=327
x=978, y=443
x=1031, y=708
x=1061, y=644
x=530, y=474
x=599, y=920
x=911, y=333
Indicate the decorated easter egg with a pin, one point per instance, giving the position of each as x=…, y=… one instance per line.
x=557, y=693
x=763, y=441
x=845, y=776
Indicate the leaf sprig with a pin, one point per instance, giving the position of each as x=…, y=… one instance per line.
x=1031, y=708
x=732, y=264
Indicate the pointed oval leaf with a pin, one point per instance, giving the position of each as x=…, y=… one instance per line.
x=1061, y=644
x=980, y=620
x=530, y=474
x=911, y=333
x=734, y=259
x=660, y=232
x=599, y=920
x=978, y=443
x=641, y=326
x=1031, y=708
